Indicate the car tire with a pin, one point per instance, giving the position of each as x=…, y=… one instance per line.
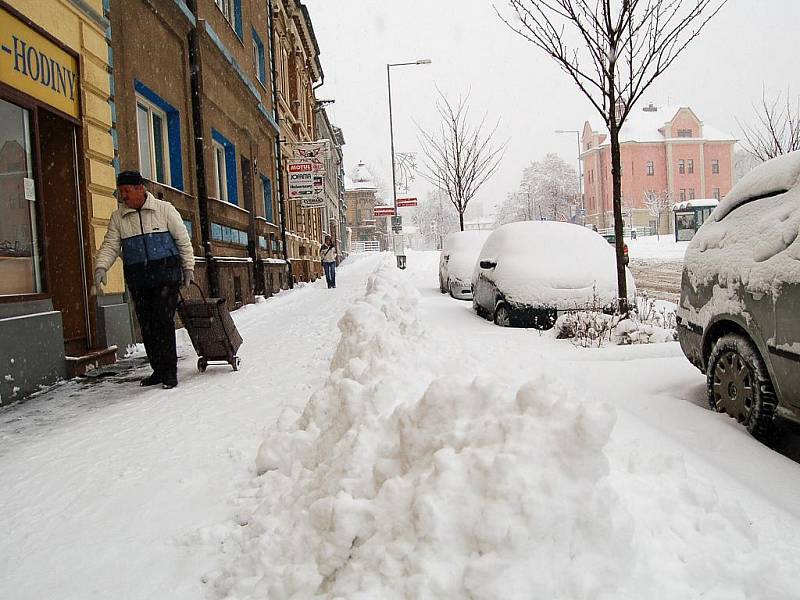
x=502, y=315
x=739, y=385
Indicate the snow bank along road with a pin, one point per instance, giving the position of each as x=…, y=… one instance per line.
x=414, y=452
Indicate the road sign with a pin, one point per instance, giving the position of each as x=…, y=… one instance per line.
x=406, y=202
x=563, y=218
x=383, y=211
x=582, y=212
x=397, y=224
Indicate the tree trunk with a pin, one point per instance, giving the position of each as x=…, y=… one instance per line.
x=622, y=283
x=461, y=219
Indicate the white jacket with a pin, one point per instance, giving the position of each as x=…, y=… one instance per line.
x=329, y=255
x=153, y=241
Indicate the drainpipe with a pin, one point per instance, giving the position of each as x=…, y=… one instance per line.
x=278, y=155
x=196, y=77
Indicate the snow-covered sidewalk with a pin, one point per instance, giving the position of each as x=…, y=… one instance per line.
x=414, y=451
x=102, y=487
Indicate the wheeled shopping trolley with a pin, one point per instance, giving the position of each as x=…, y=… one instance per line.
x=211, y=329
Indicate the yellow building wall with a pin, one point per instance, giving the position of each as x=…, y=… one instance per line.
x=77, y=30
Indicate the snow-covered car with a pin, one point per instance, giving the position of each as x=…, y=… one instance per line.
x=457, y=261
x=739, y=313
x=528, y=273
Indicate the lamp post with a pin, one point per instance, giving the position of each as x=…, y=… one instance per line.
x=401, y=259
x=580, y=176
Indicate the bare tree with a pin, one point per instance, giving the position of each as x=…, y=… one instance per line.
x=776, y=130
x=613, y=50
x=459, y=157
x=657, y=203
x=433, y=220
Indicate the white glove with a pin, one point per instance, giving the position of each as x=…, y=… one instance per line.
x=188, y=277
x=100, y=278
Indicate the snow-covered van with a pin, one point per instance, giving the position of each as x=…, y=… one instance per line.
x=528, y=273
x=739, y=313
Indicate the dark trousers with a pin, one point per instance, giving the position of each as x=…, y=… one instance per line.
x=330, y=273
x=155, y=309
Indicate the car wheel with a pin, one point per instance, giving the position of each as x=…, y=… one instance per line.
x=739, y=384
x=502, y=316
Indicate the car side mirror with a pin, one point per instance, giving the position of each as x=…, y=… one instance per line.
x=488, y=264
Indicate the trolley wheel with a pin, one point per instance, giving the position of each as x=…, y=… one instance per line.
x=202, y=364
x=237, y=362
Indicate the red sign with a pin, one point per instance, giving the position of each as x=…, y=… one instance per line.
x=301, y=167
x=405, y=202
x=383, y=211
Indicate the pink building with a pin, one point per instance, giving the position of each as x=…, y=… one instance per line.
x=663, y=150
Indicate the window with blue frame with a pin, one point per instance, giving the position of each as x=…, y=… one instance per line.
x=158, y=125
x=189, y=227
x=266, y=186
x=225, y=180
x=259, y=58
x=232, y=11
x=230, y=235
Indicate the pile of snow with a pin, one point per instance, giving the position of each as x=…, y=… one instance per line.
x=463, y=248
x=632, y=331
x=549, y=263
x=444, y=488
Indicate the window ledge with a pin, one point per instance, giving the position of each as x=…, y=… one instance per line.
x=226, y=203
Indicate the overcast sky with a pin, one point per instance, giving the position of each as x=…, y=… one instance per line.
x=750, y=44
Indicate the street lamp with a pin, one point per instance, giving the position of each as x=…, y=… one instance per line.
x=401, y=260
x=580, y=176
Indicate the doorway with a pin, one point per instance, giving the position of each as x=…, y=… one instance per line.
x=62, y=226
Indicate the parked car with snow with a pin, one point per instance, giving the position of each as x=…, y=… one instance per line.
x=530, y=272
x=739, y=314
x=611, y=238
x=457, y=261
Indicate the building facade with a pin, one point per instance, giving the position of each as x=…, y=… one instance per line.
x=335, y=210
x=199, y=124
x=56, y=190
x=366, y=230
x=298, y=73
x=664, y=151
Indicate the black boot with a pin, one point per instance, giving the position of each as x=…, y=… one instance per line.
x=169, y=382
x=153, y=379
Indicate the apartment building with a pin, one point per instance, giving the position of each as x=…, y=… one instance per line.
x=667, y=151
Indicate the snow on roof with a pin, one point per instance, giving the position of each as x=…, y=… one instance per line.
x=696, y=203
x=774, y=176
x=643, y=125
x=362, y=178
x=553, y=264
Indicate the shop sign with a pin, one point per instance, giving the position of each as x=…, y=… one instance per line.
x=32, y=64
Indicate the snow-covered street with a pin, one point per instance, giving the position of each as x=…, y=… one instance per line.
x=414, y=451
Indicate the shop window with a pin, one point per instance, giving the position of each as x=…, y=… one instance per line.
x=266, y=186
x=20, y=260
x=225, y=185
x=159, y=134
x=230, y=235
x=259, y=58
